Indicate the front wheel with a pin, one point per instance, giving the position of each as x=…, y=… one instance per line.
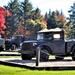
x=73, y=56
x=1, y=49
x=44, y=55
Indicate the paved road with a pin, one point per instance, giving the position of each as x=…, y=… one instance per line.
x=67, y=63
x=51, y=63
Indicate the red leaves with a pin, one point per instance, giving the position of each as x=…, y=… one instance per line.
x=2, y=11
x=2, y=20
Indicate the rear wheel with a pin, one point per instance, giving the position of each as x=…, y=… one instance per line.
x=44, y=55
x=73, y=54
x=26, y=57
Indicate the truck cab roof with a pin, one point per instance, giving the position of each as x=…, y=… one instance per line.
x=51, y=30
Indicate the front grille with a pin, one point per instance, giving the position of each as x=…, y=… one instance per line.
x=26, y=46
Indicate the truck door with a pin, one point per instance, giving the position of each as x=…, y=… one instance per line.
x=59, y=45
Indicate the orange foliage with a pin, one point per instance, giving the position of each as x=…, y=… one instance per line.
x=20, y=30
x=27, y=33
x=44, y=22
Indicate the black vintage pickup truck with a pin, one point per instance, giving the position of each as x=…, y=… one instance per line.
x=51, y=42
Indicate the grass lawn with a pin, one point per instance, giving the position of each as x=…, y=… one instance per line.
x=8, y=70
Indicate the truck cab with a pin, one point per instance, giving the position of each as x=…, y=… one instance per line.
x=50, y=42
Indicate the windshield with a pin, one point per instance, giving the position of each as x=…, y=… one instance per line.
x=44, y=36
x=40, y=36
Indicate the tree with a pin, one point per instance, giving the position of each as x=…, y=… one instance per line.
x=33, y=20
x=20, y=30
x=68, y=30
x=56, y=20
x=12, y=22
x=72, y=20
x=26, y=8
x=38, y=22
x=23, y=13
x=2, y=20
x=52, y=21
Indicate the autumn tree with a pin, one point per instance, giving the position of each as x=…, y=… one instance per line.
x=33, y=20
x=37, y=22
x=20, y=30
x=56, y=19
x=23, y=13
x=2, y=20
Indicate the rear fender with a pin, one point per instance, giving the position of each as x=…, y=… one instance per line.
x=73, y=49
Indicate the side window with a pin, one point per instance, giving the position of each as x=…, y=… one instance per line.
x=56, y=36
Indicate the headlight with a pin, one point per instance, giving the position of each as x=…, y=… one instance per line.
x=34, y=44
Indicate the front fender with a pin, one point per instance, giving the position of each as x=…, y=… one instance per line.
x=44, y=47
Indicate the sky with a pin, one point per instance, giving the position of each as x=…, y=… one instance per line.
x=46, y=5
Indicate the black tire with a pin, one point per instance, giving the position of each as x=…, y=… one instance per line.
x=1, y=49
x=26, y=57
x=59, y=57
x=73, y=54
x=44, y=55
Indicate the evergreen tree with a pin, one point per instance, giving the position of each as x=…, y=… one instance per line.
x=26, y=8
x=56, y=20
x=14, y=21
x=51, y=22
x=47, y=15
x=72, y=19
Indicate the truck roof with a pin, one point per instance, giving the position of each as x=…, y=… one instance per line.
x=51, y=30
